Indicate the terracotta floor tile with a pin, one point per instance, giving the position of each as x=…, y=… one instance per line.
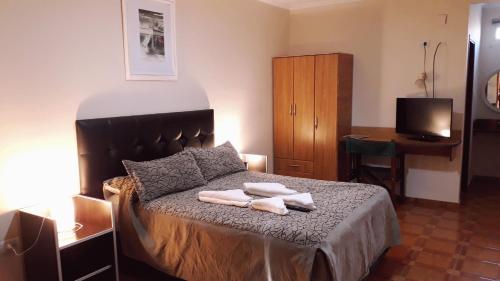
x=447, y=247
x=416, y=219
x=409, y=240
x=388, y=268
x=423, y=211
x=483, y=254
x=464, y=278
x=451, y=224
x=481, y=269
x=446, y=234
x=488, y=221
x=442, y=242
x=435, y=260
x=485, y=242
x=452, y=215
x=421, y=273
x=400, y=253
x=411, y=228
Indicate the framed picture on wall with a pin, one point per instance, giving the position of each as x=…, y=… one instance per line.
x=149, y=39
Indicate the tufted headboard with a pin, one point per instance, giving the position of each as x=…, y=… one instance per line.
x=103, y=143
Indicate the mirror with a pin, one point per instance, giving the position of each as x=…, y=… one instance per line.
x=492, y=96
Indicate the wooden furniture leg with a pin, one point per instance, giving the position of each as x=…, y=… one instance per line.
x=394, y=177
x=402, y=171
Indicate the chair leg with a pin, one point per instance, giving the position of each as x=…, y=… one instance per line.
x=357, y=167
x=402, y=178
x=394, y=177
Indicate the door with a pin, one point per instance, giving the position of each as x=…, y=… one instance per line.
x=303, y=109
x=464, y=181
x=325, y=140
x=283, y=107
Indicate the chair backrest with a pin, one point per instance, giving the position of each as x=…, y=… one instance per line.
x=370, y=147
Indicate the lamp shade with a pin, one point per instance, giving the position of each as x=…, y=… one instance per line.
x=255, y=162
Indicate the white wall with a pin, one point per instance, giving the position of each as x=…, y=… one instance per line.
x=385, y=38
x=63, y=60
x=485, y=158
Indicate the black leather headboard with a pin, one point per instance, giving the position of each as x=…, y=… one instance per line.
x=104, y=143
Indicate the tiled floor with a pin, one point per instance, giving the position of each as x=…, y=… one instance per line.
x=442, y=242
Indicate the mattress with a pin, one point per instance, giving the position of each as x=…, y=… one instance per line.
x=353, y=225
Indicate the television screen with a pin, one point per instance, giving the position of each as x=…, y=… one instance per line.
x=423, y=117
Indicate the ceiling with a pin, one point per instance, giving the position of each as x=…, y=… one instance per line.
x=303, y=4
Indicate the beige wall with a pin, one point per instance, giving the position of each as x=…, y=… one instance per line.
x=385, y=37
x=63, y=60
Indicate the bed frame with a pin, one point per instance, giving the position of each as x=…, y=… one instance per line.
x=103, y=143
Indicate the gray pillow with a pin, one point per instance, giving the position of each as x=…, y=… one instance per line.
x=163, y=176
x=218, y=161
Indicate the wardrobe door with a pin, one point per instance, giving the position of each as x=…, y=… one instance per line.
x=325, y=140
x=303, y=110
x=283, y=107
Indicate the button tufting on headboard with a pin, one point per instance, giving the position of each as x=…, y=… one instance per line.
x=103, y=143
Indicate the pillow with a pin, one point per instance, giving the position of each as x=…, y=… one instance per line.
x=115, y=185
x=218, y=161
x=163, y=176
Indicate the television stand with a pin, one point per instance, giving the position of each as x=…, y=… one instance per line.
x=425, y=138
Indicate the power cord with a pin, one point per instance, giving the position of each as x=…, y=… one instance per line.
x=9, y=246
x=425, y=70
x=434, y=71
x=78, y=226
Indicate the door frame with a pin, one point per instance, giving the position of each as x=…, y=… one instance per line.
x=467, y=133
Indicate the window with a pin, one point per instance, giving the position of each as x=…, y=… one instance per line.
x=497, y=34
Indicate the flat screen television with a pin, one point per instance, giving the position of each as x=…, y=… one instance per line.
x=424, y=118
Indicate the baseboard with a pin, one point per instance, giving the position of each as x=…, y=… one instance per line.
x=431, y=203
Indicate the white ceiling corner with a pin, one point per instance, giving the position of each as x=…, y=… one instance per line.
x=304, y=4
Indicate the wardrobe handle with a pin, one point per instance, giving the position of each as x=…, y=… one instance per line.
x=295, y=109
x=291, y=109
x=293, y=165
x=316, y=122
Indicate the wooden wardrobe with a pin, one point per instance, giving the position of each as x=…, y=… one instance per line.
x=312, y=110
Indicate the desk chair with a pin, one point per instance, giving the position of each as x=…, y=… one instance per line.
x=386, y=177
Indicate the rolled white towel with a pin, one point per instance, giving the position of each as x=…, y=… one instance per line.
x=274, y=205
x=267, y=189
x=301, y=200
x=234, y=197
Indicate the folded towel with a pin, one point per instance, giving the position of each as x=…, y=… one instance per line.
x=301, y=200
x=234, y=197
x=273, y=205
x=267, y=189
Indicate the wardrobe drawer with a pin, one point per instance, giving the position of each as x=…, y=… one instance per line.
x=295, y=174
x=293, y=167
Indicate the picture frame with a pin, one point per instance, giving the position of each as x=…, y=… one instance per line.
x=149, y=39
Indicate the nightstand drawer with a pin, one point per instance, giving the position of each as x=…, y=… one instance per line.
x=87, y=257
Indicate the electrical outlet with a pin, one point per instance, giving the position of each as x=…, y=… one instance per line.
x=14, y=242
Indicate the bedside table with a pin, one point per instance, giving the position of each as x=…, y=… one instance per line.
x=87, y=253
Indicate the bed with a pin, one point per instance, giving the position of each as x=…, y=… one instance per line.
x=352, y=227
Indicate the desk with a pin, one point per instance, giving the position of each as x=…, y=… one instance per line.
x=405, y=146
